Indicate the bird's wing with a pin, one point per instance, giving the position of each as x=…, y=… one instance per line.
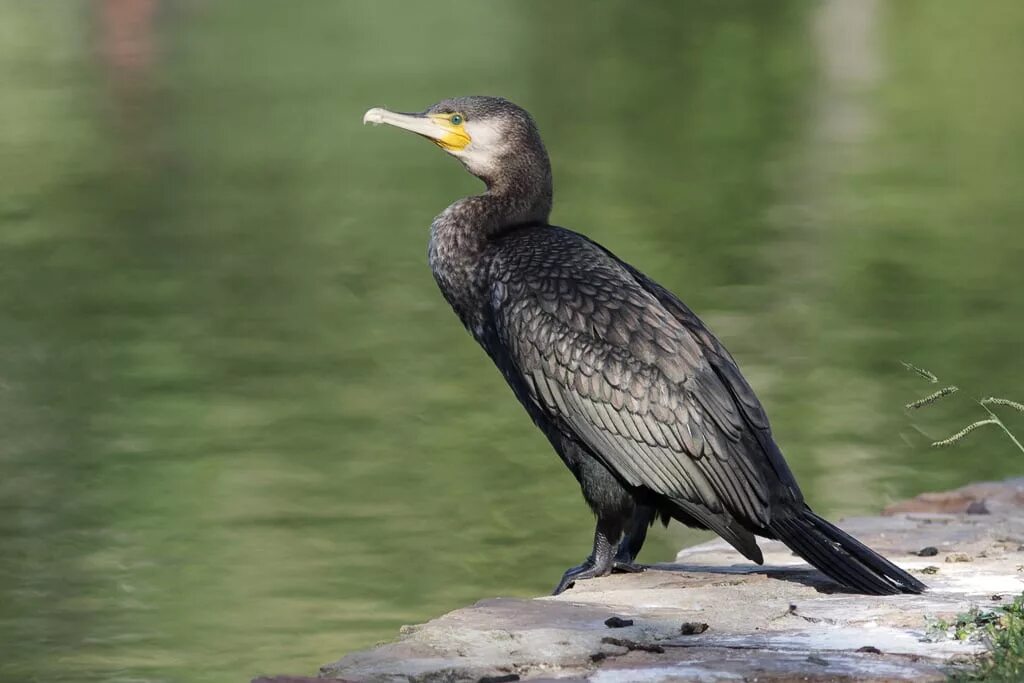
x=601, y=355
x=727, y=370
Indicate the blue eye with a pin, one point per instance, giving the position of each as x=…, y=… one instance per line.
x=456, y=119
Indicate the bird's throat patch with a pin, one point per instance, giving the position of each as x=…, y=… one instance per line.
x=455, y=138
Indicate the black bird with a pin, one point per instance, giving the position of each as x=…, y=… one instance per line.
x=641, y=401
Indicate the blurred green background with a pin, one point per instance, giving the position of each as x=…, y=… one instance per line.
x=240, y=431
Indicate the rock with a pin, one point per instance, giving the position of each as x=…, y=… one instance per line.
x=505, y=678
x=780, y=621
x=631, y=645
x=983, y=498
x=977, y=507
x=692, y=628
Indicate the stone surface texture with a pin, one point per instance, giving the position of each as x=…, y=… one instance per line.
x=780, y=621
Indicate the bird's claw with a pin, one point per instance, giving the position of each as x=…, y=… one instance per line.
x=591, y=570
x=587, y=570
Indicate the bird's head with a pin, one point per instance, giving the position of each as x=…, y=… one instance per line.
x=493, y=138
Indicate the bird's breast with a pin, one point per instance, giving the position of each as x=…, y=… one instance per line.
x=460, y=270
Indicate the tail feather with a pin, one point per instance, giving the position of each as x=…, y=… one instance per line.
x=841, y=556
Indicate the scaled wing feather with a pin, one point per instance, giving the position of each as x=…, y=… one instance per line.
x=617, y=368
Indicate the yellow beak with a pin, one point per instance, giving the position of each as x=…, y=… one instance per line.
x=435, y=127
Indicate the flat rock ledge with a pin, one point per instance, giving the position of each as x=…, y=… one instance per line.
x=713, y=616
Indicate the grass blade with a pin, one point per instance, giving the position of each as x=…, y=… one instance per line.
x=920, y=372
x=956, y=438
x=993, y=401
x=932, y=398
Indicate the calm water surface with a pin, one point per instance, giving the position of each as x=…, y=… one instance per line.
x=241, y=433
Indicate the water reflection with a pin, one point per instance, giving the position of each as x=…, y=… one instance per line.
x=241, y=433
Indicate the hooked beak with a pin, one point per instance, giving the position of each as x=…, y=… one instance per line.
x=435, y=127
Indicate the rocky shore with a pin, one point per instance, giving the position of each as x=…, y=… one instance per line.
x=711, y=615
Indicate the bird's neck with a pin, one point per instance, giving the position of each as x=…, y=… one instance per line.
x=521, y=194
x=461, y=236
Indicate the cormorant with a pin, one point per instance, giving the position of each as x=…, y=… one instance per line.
x=636, y=395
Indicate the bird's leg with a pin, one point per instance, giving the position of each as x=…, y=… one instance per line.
x=633, y=541
x=601, y=560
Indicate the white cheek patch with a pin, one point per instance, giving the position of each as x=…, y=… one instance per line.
x=485, y=133
x=487, y=144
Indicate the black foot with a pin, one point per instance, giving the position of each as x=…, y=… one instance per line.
x=624, y=563
x=605, y=557
x=587, y=570
x=631, y=543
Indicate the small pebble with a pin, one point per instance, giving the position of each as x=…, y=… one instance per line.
x=692, y=628
x=927, y=551
x=870, y=649
x=930, y=570
x=978, y=507
x=959, y=557
x=617, y=622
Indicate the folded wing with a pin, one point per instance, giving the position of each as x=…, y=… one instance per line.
x=614, y=365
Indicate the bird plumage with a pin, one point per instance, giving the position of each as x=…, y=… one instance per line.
x=638, y=397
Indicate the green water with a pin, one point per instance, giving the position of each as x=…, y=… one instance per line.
x=241, y=433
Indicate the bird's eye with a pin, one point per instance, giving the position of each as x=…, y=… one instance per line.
x=456, y=119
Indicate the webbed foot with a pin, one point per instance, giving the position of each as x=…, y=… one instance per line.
x=587, y=570
x=611, y=553
x=627, y=567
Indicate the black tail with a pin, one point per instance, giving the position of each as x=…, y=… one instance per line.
x=842, y=556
